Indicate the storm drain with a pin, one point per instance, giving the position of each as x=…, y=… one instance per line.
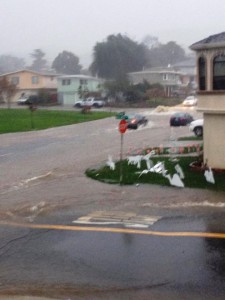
x=117, y=218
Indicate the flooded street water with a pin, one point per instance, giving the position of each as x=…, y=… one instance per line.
x=45, y=169
x=43, y=183
x=48, y=167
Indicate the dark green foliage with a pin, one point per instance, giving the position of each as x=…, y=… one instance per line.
x=113, y=87
x=117, y=56
x=67, y=63
x=165, y=54
x=130, y=92
x=39, y=63
x=137, y=92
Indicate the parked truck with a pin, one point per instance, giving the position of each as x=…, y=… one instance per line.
x=91, y=102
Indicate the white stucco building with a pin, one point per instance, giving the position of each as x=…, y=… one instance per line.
x=210, y=57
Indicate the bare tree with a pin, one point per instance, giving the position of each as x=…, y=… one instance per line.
x=7, y=90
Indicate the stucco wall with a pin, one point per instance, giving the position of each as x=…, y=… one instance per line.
x=212, y=104
x=211, y=101
x=214, y=144
x=25, y=80
x=70, y=93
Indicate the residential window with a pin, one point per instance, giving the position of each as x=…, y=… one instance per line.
x=219, y=72
x=174, y=77
x=66, y=82
x=35, y=79
x=83, y=81
x=165, y=76
x=178, y=78
x=202, y=73
x=15, y=80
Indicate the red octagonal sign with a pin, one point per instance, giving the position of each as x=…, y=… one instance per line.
x=122, y=126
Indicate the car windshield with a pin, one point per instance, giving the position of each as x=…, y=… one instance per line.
x=131, y=116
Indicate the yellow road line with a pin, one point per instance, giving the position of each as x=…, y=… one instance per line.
x=116, y=230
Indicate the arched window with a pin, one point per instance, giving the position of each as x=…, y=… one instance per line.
x=202, y=73
x=219, y=72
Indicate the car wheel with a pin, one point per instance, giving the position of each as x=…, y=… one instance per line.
x=198, y=131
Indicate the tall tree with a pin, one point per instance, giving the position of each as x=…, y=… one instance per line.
x=7, y=90
x=39, y=63
x=117, y=56
x=9, y=63
x=165, y=54
x=150, y=41
x=67, y=63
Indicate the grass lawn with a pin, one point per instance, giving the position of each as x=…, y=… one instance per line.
x=131, y=175
x=17, y=120
x=190, y=138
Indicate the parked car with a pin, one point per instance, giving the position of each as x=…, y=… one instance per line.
x=181, y=119
x=135, y=120
x=23, y=101
x=197, y=127
x=32, y=99
x=190, y=101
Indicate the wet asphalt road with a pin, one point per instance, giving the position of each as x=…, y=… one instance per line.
x=97, y=265
x=43, y=182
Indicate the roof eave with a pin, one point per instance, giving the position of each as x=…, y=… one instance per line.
x=197, y=47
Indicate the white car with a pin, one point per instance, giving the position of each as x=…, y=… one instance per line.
x=197, y=127
x=23, y=101
x=190, y=101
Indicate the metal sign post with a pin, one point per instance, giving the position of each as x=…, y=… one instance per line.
x=122, y=130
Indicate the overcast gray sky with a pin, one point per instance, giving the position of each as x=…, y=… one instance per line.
x=76, y=25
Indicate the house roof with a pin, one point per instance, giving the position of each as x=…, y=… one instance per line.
x=213, y=41
x=79, y=76
x=157, y=70
x=44, y=73
x=190, y=62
